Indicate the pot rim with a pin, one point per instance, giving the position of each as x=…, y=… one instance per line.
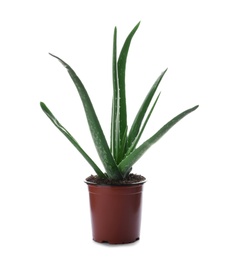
x=117, y=185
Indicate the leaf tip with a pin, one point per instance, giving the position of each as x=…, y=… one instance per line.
x=137, y=25
x=62, y=62
x=43, y=106
x=53, y=56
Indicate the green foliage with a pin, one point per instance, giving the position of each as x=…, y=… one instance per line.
x=123, y=152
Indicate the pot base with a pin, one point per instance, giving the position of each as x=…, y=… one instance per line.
x=116, y=242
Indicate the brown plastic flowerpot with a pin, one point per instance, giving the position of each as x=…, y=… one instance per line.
x=115, y=212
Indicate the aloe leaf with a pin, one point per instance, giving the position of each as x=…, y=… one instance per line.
x=135, y=142
x=123, y=143
x=71, y=139
x=94, y=125
x=132, y=158
x=121, y=78
x=114, y=140
x=142, y=111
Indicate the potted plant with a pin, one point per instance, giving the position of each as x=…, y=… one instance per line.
x=116, y=193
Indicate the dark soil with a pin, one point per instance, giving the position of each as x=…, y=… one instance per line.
x=131, y=179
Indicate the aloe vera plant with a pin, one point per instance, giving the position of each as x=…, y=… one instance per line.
x=123, y=151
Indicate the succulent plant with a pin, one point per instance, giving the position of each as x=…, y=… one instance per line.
x=123, y=151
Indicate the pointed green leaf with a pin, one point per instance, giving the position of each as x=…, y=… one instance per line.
x=137, y=153
x=121, y=77
x=136, y=140
x=123, y=143
x=94, y=125
x=71, y=139
x=142, y=111
x=115, y=102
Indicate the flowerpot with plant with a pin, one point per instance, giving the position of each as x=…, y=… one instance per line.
x=116, y=193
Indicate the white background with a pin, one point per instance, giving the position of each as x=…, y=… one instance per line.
x=188, y=198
